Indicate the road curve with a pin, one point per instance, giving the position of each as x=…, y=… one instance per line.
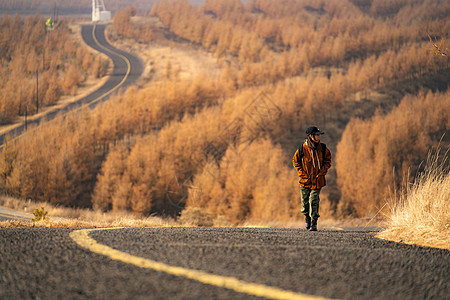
x=51, y=263
x=127, y=69
x=7, y=214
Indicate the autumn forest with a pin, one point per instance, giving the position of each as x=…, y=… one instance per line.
x=364, y=71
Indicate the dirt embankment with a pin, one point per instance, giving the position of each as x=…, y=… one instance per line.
x=167, y=55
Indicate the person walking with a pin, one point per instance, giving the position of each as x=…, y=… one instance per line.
x=312, y=161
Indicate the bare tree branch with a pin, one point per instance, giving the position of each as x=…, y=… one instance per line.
x=439, y=49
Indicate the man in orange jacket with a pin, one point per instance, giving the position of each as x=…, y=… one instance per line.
x=312, y=161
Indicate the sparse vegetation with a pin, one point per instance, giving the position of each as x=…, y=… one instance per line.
x=40, y=214
x=59, y=216
x=421, y=214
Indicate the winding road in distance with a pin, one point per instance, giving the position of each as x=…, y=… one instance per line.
x=127, y=69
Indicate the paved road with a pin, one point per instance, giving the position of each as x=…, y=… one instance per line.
x=127, y=69
x=61, y=263
x=14, y=215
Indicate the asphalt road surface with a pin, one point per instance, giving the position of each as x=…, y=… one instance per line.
x=7, y=214
x=215, y=263
x=127, y=69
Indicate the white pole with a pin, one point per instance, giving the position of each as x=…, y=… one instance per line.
x=93, y=10
x=102, y=5
x=99, y=12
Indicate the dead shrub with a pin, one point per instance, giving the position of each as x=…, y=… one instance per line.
x=196, y=217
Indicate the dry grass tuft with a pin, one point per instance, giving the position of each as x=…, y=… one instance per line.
x=422, y=214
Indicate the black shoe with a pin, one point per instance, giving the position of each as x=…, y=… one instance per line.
x=314, y=225
x=308, y=222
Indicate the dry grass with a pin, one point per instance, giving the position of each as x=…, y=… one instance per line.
x=77, y=217
x=422, y=215
x=119, y=222
x=187, y=60
x=194, y=217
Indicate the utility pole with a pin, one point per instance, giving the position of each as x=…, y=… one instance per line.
x=26, y=115
x=55, y=13
x=37, y=91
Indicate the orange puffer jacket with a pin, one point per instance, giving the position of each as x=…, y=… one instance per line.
x=313, y=167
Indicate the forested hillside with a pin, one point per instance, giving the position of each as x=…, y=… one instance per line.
x=378, y=155
x=225, y=143
x=38, y=65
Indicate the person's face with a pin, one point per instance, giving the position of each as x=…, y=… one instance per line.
x=315, y=138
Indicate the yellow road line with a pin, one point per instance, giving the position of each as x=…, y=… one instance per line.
x=127, y=61
x=81, y=237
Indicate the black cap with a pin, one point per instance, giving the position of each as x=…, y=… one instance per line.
x=313, y=130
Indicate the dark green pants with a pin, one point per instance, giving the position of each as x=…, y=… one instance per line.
x=310, y=202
